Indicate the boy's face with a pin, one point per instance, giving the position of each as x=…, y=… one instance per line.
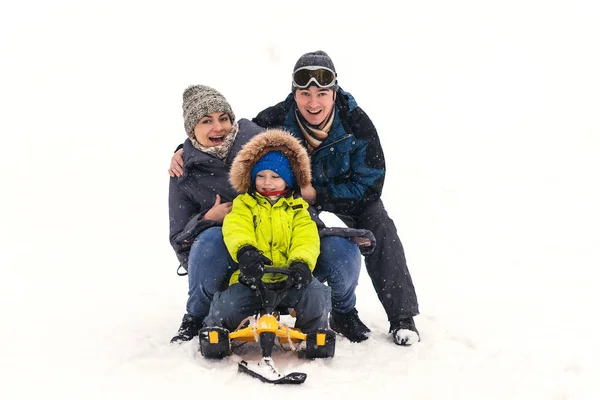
x=212, y=129
x=314, y=103
x=269, y=181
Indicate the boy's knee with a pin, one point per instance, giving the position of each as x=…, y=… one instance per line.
x=319, y=291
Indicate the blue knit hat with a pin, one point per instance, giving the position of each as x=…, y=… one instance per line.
x=276, y=162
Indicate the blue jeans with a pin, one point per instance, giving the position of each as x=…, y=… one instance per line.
x=210, y=266
x=339, y=265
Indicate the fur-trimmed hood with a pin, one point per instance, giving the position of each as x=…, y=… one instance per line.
x=270, y=140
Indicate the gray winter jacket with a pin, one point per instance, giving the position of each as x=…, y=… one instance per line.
x=194, y=193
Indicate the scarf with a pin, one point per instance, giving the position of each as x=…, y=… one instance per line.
x=315, y=134
x=221, y=151
x=275, y=195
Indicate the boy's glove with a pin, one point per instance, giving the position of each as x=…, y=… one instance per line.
x=252, y=265
x=300, y=274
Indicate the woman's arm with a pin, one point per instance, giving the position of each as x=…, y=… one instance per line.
x=181, y=211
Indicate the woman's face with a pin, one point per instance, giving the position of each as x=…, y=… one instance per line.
x=314, y=103
x=269, y=181
x=212, y=129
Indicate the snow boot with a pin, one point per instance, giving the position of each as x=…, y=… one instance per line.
x=189, y=328
x=320, y=344
x=214, y=342
x=349, y=325
x=404, y=332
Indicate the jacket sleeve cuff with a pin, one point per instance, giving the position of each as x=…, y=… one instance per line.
x=242, y=250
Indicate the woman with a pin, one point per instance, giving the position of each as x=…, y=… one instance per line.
x=200, y=198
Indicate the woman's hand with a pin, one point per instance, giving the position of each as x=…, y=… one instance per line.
x=176, y=168
x=218, y=211
x=309, y=194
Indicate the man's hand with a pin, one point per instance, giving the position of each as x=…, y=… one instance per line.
x=218, y=211
x=176, y=168
x=361, y=241
x=309, y=194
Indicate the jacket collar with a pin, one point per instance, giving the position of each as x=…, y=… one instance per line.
x=344, y=104
x=257, y=198
x=192, y=156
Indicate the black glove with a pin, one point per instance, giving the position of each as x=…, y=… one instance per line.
x=252, y=265
x=300, y=274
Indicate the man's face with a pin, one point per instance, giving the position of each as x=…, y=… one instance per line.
x=314, y=103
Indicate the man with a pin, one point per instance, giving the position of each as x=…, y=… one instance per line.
x=348, y=174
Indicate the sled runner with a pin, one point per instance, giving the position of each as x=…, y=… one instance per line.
x=266, y=329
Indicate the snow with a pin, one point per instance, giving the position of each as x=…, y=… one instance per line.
x=488, y=113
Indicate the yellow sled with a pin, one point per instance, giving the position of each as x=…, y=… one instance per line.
x=267, y=330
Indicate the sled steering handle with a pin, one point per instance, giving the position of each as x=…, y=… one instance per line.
x=284, y=271
x=271, y=298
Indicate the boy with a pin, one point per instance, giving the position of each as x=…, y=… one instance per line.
x=269, y=225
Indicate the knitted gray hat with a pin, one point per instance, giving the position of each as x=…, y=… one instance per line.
x=316, y=59
x=199, y=101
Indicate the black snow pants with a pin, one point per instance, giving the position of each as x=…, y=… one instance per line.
x=387, y=264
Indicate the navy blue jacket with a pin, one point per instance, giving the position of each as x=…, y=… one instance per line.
x=348, y=167
x=194, y=193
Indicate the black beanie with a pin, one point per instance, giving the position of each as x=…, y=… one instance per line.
x=316, y=59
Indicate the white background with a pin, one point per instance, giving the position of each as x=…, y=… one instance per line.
x=488, y=114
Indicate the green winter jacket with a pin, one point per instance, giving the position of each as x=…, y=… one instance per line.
x=284, y=232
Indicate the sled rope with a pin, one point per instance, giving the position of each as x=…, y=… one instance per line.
x=289, y=337
x=252, y=321
x=243, y=322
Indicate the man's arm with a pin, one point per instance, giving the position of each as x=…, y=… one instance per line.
x=176, y=168
x=367, y=170
x=306, y=243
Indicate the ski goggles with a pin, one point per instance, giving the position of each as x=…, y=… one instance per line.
x=321, y=76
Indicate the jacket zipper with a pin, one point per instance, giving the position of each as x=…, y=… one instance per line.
x=332, y=143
